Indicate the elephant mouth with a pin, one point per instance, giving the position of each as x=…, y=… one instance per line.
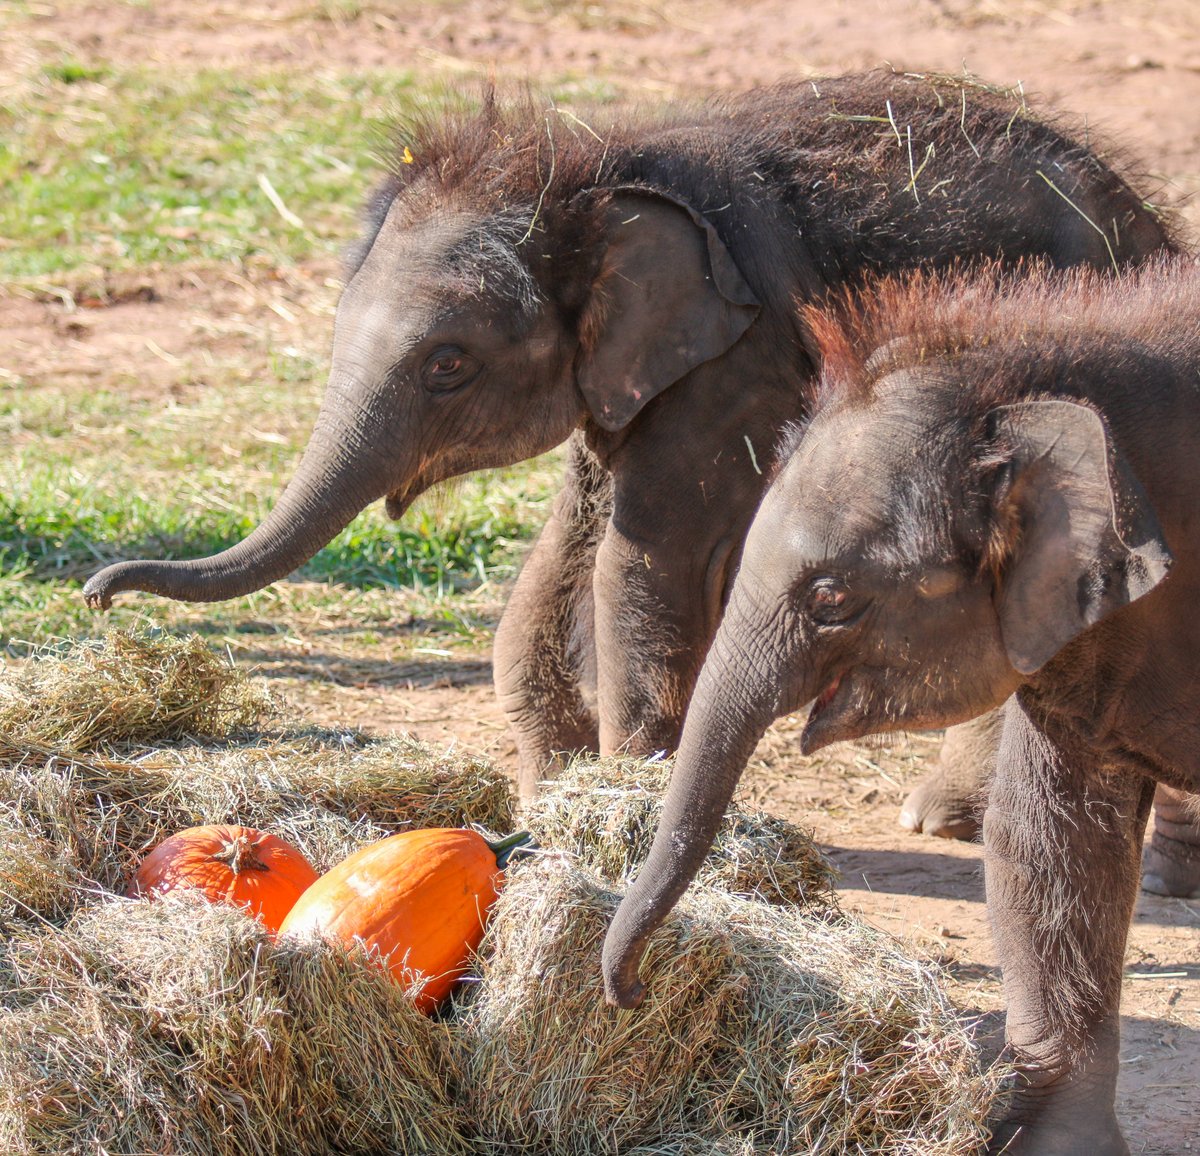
x=827, y=717
x=397, y=502
x=868, y=700
x=824, y=698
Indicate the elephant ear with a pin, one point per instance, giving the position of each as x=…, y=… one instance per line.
x=667, y=299
x=1089, y=540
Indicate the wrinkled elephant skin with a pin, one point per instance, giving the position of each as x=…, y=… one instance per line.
x=995, y=497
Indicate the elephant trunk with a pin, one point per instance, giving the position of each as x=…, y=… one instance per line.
x=342, y=471
x=735, y=700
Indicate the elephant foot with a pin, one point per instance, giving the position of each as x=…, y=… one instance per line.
x=1171, y=863
x=1063, y=1110
x=1078, y=1137
x=1031, y=1140
x=1171, y=867
x=948, y=801
x=934, y=807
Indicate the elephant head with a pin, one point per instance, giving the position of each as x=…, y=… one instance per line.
x=472, y=337
x=915, y=561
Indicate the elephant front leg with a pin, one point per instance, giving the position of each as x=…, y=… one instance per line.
x=1062, y=851
x=656, y=612
x=1172, y=860
x=544, y=653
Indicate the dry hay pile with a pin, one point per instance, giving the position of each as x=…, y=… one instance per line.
x=605, y=813
x=764, y=1031
x=129, y=688
x=177, y=1027
x=86, y=821
x=85, y=792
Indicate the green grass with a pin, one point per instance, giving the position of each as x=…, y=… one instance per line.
x=128, y=168
x=107, y=169
x=122, y=168
x=60, y=523
x=58, y=535
x=93, y=475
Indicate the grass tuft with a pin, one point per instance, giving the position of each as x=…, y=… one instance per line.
x=127, y=688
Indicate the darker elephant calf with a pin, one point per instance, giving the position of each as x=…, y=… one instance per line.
x=996, y=496
x=630, y=283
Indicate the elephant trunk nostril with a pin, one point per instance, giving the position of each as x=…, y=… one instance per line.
x=619, y=959
x=96, y=594
x=626, y=998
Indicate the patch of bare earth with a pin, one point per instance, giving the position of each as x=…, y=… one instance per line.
x=1131, y=71
x=153, y=333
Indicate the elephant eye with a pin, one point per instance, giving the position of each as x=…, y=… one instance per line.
x=828, y=601
x=448, y=369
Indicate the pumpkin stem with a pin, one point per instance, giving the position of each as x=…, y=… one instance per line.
x=238, y=854
x=504, y=848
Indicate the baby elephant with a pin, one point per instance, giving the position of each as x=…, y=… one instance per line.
x=996, y=496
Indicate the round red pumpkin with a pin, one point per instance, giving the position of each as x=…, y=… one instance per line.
x=229, y=864
x=417, y=901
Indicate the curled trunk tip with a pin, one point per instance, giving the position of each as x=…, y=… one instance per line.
x=327, y=492
x=99, y=588
x=622, y=986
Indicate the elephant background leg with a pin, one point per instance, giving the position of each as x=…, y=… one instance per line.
x=544, y=653
x=655, y=617
x=1171, y=865
x=948, y=801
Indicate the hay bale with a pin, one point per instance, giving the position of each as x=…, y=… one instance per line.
x=36, y=881
x=764, y=1031
x=79, y=824
x=179, y=1027
x=605, y=812
x=130, y=687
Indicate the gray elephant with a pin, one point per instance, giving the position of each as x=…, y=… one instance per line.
x=525, y=278
x=999, y=501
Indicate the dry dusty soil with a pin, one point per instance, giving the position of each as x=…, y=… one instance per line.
x=1129, y=70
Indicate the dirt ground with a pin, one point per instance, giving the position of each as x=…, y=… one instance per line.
x=1130, y=71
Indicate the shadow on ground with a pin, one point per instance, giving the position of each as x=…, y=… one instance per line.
x=924, y=873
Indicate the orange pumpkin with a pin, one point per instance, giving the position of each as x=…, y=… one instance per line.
x=229, y=864
x=417, y=901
